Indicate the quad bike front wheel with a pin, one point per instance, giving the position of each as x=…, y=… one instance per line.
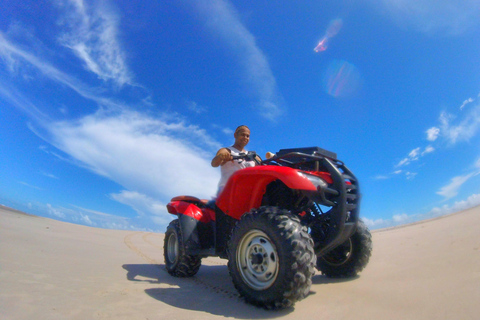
x=178, y=263
x=271, y=258
x=349, y=258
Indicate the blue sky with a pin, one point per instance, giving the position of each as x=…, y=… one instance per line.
x=110, y=108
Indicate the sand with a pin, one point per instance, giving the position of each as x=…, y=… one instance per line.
x=55, y=270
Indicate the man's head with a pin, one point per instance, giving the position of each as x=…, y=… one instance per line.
x=242, y=136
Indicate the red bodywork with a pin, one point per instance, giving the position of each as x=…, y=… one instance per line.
x=245, y=188
x=243, y=191
x=190, y=206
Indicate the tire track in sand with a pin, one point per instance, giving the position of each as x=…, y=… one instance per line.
x=133, y=238
x=129, y=243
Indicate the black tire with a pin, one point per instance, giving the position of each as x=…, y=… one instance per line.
x=348, y=259
x=271, y=258
x=177, y=263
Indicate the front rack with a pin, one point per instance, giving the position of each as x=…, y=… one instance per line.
x=345, y=206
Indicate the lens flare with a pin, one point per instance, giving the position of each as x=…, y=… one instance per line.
x=342, y=79
x=333, y=28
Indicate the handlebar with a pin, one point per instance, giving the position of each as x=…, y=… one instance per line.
x=249, y=156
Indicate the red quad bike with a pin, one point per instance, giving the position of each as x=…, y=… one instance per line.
x=274, y=223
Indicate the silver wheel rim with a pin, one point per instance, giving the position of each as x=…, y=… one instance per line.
x=172, y=248
x=257, y=260
x=336, y=261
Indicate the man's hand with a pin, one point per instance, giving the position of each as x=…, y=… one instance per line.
x=222, y=157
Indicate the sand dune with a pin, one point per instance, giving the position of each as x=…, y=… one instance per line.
x=55, y=270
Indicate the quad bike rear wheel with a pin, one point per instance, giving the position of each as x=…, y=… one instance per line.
x=271, y=258
x=178, y=263
x=349, y=258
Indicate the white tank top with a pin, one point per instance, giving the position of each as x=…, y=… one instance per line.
x=231, y=166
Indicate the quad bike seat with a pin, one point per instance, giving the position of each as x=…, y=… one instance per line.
x=190, y=199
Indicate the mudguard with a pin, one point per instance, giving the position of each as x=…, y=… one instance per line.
x=246, y=187
x=192, y=210
x=194, y=223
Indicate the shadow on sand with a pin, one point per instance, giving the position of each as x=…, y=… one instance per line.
x=209, y=291
x=321, y=279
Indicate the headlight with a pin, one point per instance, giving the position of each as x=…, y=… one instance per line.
x=317, y=182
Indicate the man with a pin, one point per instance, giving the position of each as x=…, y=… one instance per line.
x=224, y=156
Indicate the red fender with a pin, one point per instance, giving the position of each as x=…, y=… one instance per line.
x=191, y=210
x=245, y=188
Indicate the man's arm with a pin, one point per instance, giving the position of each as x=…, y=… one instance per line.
x=259, y=160
x=223, y=155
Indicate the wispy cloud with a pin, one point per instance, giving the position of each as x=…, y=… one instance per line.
x=470, y=202
x=195, y=107
x=395, y=220
x=404, y=218
x=450, y=130
x=449, y=17
x=432, y=133
x=223, y=19
x=469, y=100
x=154, y=157
x=145, y=206
x=451, y=189
x=13, y=96
x=145, y=155
x=29, y=185
x=93, y=36
x=415, y=155
x=90, y=217
x=428, y=149
x=46, y=174
x=455, y=129
x=18, y=55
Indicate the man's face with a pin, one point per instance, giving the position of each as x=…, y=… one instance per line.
x=242, y=136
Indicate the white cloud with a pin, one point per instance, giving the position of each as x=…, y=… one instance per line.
x=223, y=19
x=9, y=93
x=29, y=185
x=228, y=132
x=413, y=155
x=158, y=157
x=195, y=107
x=472, y=201
x=410, y=175
x=150, y=156
x=374, y=224
x=428, y=149
x=95, y=218
x=403, y=162
x=55, y=212
x=93, y=37
x=451, y=189
x=432, y=133
x=469, y=100
x=448, y=17
x=23, y=57
x=144, y=205
x=401, y=218
x=463, y=129
x=46, y=174
x=395, y=220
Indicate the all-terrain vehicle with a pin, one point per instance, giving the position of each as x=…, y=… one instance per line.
x=275, y=223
